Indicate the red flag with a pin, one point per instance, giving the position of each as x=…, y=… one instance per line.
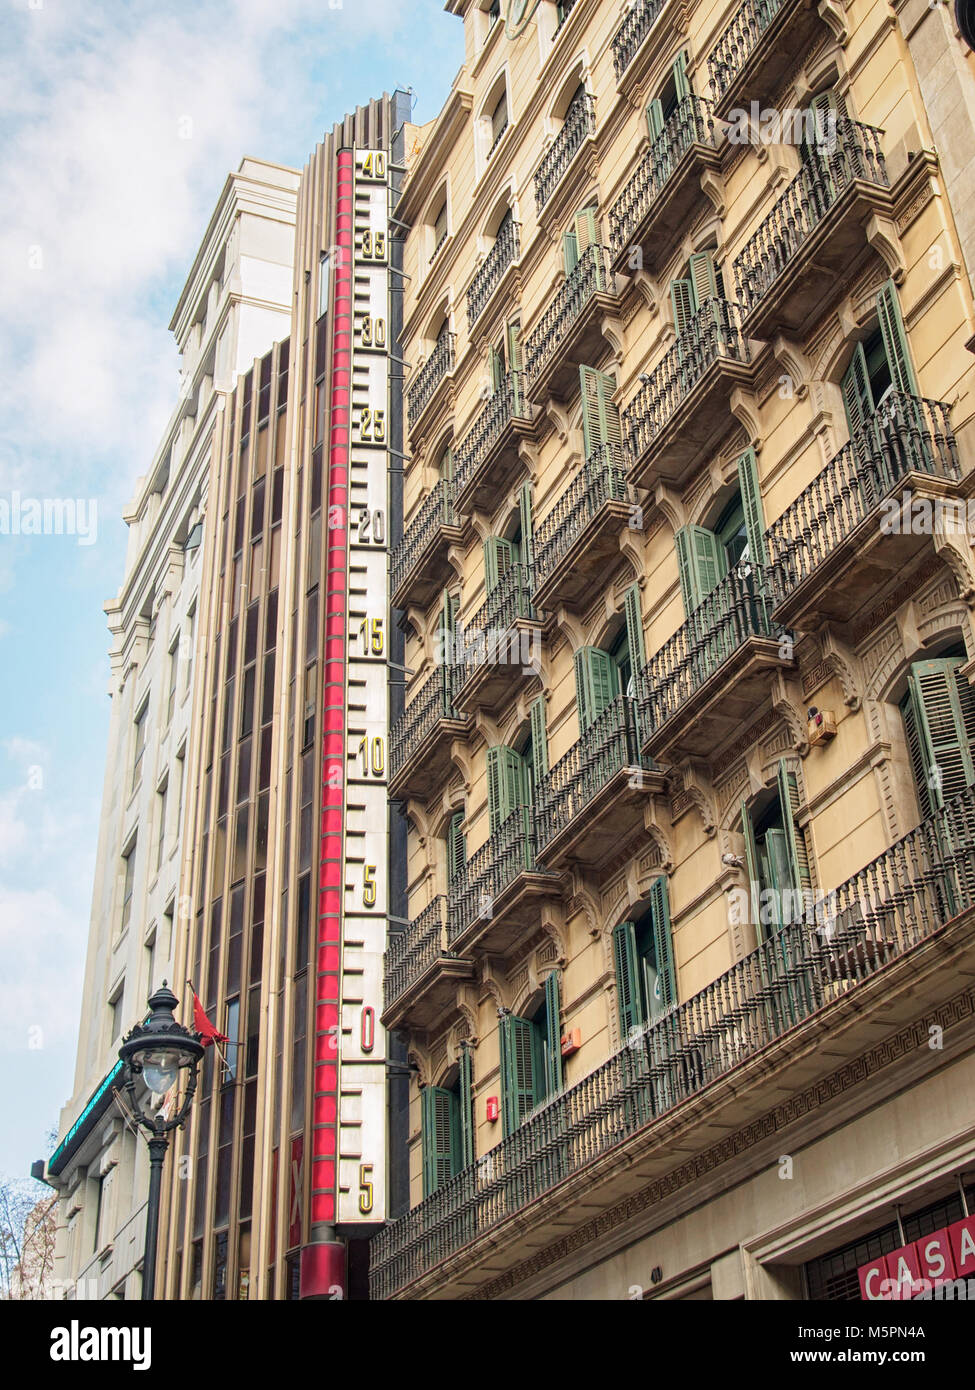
x=208, y=1033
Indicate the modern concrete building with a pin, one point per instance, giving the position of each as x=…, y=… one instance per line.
x=688, y=752
x=281, y=1174
x=236, y=302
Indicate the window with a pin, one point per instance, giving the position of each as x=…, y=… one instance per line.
x=456, y=845
x=597, y=682
x=939, y=720
x=700, y=284
x=509, y=784
x=776, y=856
x=663, y=107
x=150, y=961
x=115, y=1014
x=531, y=1057
x=879, y=365
x=705, y=556
x=162, y=797
x=646, y=984
x=174, y=652
x=601, y=428
x=186, y=647
x=439, y=229
x=499, y=121
x=141, y=724
x=128, y=882
x=324, y=271
x=195, y=537
x=583, y=234
x=447, y=1127
x=233, y=1039
x=180, y=783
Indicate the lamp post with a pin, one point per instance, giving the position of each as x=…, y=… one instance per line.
x=158, y=1050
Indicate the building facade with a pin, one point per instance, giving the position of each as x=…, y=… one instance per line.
x=687, y=754
x=236, y=301
x=280, y=1176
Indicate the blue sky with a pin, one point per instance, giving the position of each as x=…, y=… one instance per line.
x=103, y=204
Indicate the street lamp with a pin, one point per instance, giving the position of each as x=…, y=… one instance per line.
x=158, y=1050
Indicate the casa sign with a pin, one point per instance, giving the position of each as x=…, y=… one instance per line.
x=923, y=1265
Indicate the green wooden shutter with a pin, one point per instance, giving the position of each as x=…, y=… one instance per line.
x=448, y=626
x=553, y=1035
x=600, y=413
x=629, y=996
x=519, y=1064
x=536, y=715
x=663, y=941
x=439, y=1137
x=751, y=863
x=857, y=396
x=586, y=229
x=499, y=556
x=795, y=840
x=447, y=464
x=682, y=299
x=895, y=341
x=597, y=684
x=570, y=251
x=466, y=1107
x=944, y=705
x=682, y=82
x=513, y=332
x=702, y=277
x=506, y=785
x=915, y=749
x=634, y=627
x=527, y=526
x=655, y=118
x=456, y=845
x=751, y=498
x=702, y=563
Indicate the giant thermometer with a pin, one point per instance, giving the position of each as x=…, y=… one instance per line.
x=348, y=1169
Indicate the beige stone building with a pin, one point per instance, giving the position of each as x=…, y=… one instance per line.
x=687, y=757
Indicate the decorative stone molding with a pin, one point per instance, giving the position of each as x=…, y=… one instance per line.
x=883, y=236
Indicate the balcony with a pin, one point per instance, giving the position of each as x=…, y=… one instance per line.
x=493, y=901
x=569, y=333
x=500, y=648
x=709, y=680
x=848, y=536
x=487, y=458
x=658, y=199
x=866, y=959
x=434, y=372
x=758, y=50
x=502, y=254
x=416, y=569
x=591, y=803
x=631, y=33
x=815, y=233
x=579, y=125
x=420, y=975
x=675, y=420
x=419, y=741
x=579, y=537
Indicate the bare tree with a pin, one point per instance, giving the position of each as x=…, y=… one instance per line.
x=28, y=1231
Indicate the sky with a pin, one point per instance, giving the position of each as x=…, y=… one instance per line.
x=118, y=126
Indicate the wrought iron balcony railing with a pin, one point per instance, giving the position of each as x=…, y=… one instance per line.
x=414, y=950
x=508, y=852
x=438, y=365
x=589, y=277
x=505, y=250
x=436, y=510
x=433, y=702
x=713, y=333
x=565, y=9
x=739, y=41
x=505, y=405
x=631, y=33
x=601, y=479
x=487, y=638
x=904, y=435
x=830, y=946
x=580, y=123
x=830, y=169
x=735, y=610
x=610, y=744
x=691, y=124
